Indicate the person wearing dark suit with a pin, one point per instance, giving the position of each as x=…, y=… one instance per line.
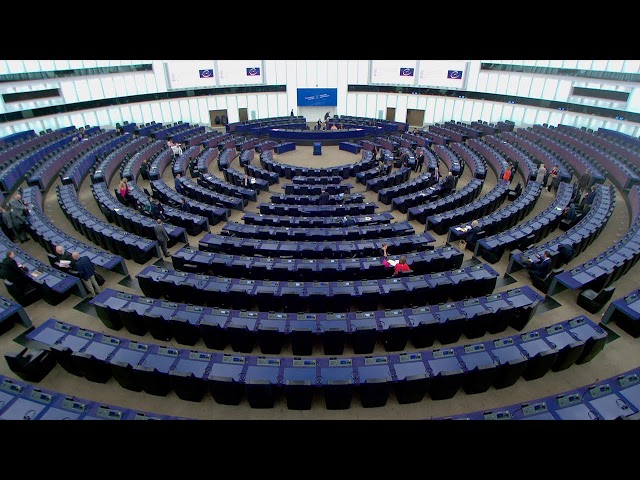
x=584, y=182
x=157, y=210
x=348, y=221
x=16, y=222
x=184, y=205
x=588, y=199
x=62, y=254
x=472, y=234
x=246, y=181
x=177, y=184
x=18, y=206
x=323, y=198
x=570, y=213
x=419, y=161
x=162, y=236
x=17, y=274
x=4, y=224
x=449, y=183
x=144, y=170
x=540, y=266
x=87, y=273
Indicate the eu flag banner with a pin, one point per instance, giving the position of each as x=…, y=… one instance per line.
x=206, y=73
x=457, y=74
x=406, y=72
x=253, y=72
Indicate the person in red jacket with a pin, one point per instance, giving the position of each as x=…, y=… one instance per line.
x=402, y=266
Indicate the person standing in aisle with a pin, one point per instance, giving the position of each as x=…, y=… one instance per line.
x=542, y=174
x=419, y=161
x=162, y=236
x=17, y=223
x=87, y=273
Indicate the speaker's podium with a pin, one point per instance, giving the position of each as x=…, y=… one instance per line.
x=317, y=148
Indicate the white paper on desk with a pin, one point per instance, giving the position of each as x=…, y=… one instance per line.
x=393, y=263
x=64, y=263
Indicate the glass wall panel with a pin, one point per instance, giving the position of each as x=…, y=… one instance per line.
x=102, y=119
x=95, y=89
x=15, y=66
x=108, y=87
x=157, y=114
x=82, y=88
x=130, y=83
x=137, y=116
x=549, y=90
x=141, y=84
x=68, y=92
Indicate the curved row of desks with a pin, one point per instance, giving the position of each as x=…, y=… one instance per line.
x=440, y=373
x=241, y=329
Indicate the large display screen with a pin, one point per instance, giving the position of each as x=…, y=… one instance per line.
x=317, y=97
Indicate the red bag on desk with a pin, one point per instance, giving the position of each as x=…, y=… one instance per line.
x=386, y=263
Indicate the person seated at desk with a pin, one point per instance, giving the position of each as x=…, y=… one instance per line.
x=588, y=199
x=565, y=253
x=64, y=258
x=144, y=207
x=401, y=266
x=333, y=127
x=384, y=250
x=157, y=210
x=348, y=221
x=570, y=213
x=471, y=233
x=384, y=253
x=539, y=266
x=18, y=275
x=323, y=198
x=184, y=205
